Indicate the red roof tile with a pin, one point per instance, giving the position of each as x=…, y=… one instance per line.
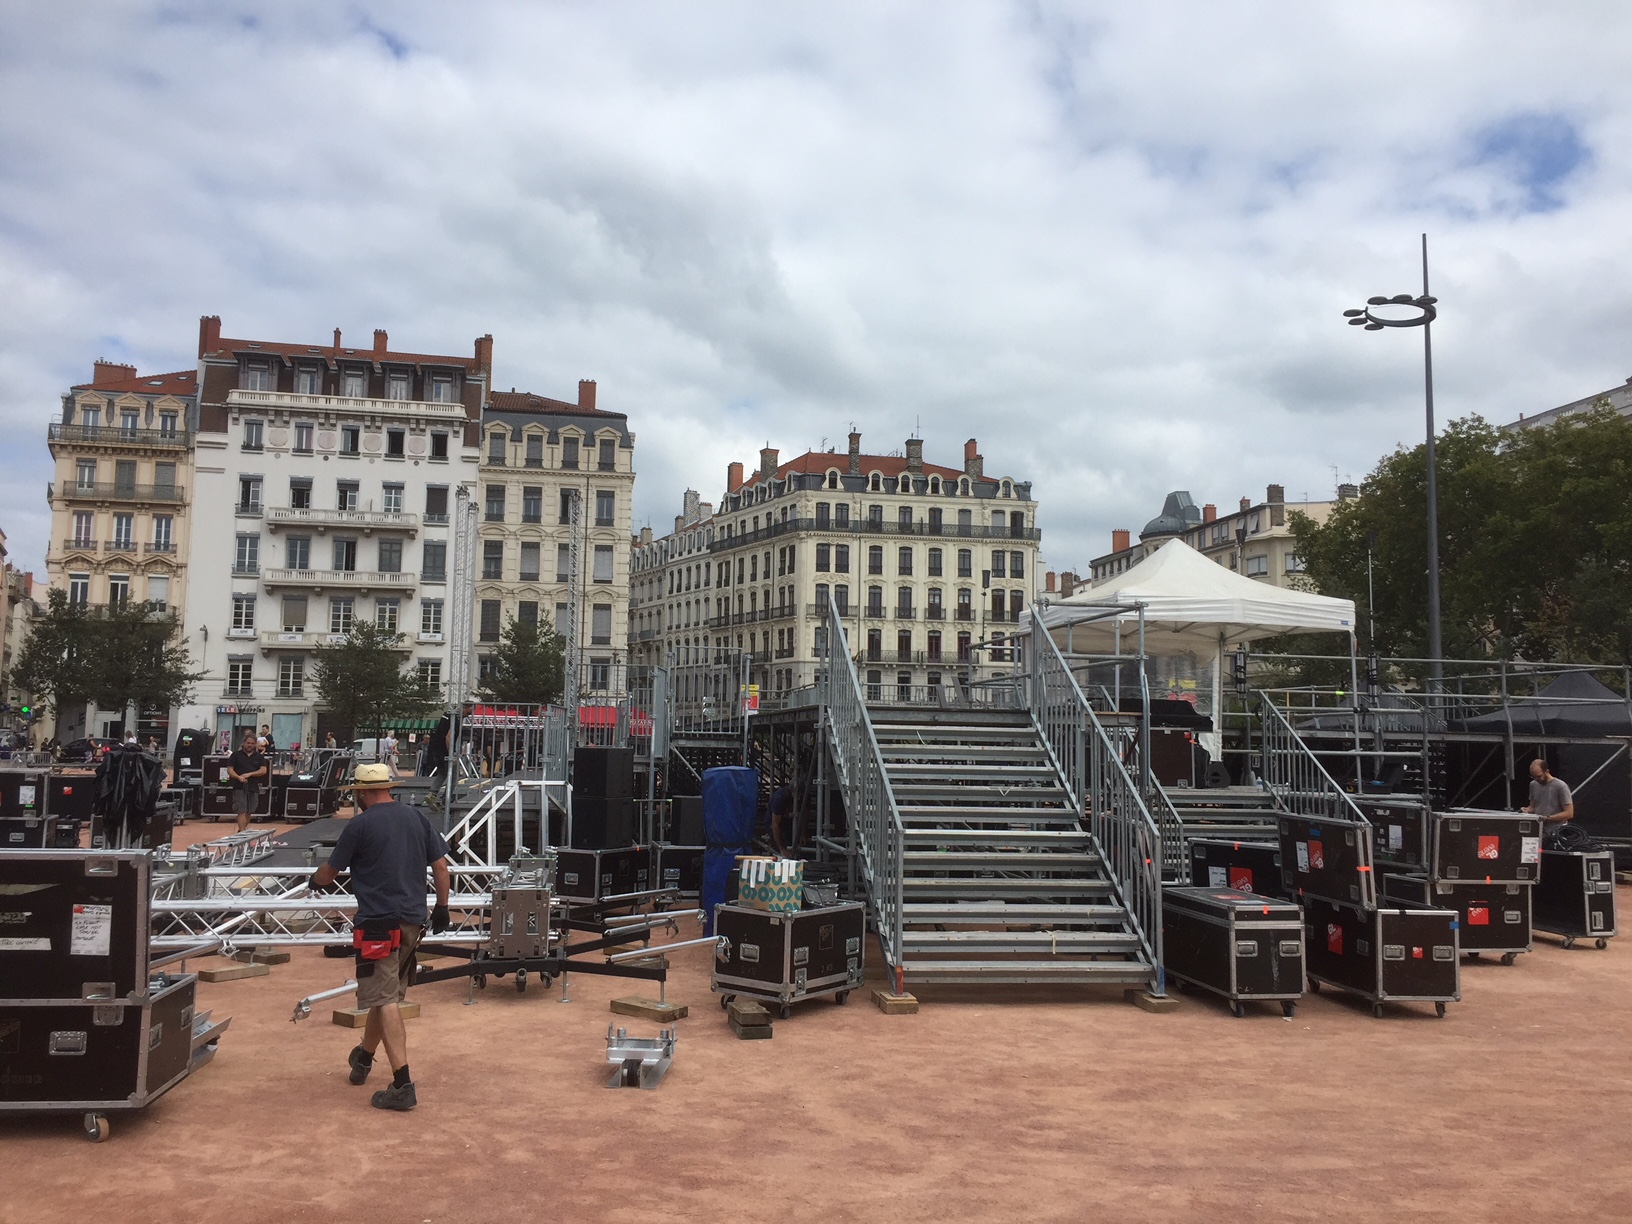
x=328, y=353
x=182, y=382
x=817, y=463
x=526, y=401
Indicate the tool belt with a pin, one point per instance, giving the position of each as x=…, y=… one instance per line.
x=375, y=941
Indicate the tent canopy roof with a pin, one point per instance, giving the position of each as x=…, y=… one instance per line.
x=1576, y=703
x=1190, y=603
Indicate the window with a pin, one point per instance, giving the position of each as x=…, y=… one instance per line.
x=441, y=388
x=934, y=563
x=875, y=514
x=999, y=603
x=966, y=563
x=600, y=673
x=966, y=604
x=434, y=565
x=964, y=648
x=563, y=620
x=600, y=625
x=564, y=510
x=164, y=479
x=527, y=613
x=340, y=614
x=875, y=601
x=79, y=589
x=294, y=614
x=239, y=677
x=1017, y=605
x=351, y=438
x=345, y=555
x=875, y=645
x=824, y=557
x=130, y=420
x=1294, y=563
x=90, y=420
x=85, y=475
x=875, y=559
x=247, y=558
x=297, y=552
x=569, y=453
x=436, y=504
x=823, y=595
x=1017, y=565
x=84, y=529
x=824, y=516
x=252, y=435
x=489, y=631
x=124, y=477
x=498, y=444
x=354, y=384
x=841, y=558
x=124, y=528
x=1257, y=567
x=903, y=603
x=257, y=376
x=345, y=495
x=529, y=561
x=532, y=504
x=875, y=687
x=903, y=561
x=167, y=424
x=563, y=562
x=396, y=385
x=291, y=676
x=118, y=589
x=396, y=440
x=430, y=618
x=603, y=563
x=158, y=590
x=249, y=495
x=391, y=498
x=390, y=556
x=1252, y=525
x=932, y=650
x=903, y=516
x=386, y=612
x=606, y=507
x=493, y=559
x=1000, y=560
x=243, y=614
x=933, y=609
x=535, y=450
x=966, y=522
x=935, y=513
x=608, y=461
x=429, y=674
x=308, y=381
x=300, y=494
x=439, y=445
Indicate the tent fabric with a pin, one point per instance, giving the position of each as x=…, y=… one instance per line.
x=730, y=810
x=1576, y=703
x=1189, y=602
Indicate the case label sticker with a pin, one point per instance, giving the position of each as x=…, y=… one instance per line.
x=1478, y=915
x=1396, y=837
x=1530, y=850
x=1317, y=856
x=1416, y=953
x=25, y=796
x=1241, y=879
x=13, y=943
x=1334, y=939
x=92, y=930
x=1490, y=846
x=1303, y=857
x=1217, y=877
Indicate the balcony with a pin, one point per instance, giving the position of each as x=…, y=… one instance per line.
x=339, y=580
x=120, y=546
x=115, y=435
x=452, y=412
x=306, y=640
x=160, y=548
x=80, y=545
x=905, y=614
x=935, y=612
x=108, y=490
x=365, y=521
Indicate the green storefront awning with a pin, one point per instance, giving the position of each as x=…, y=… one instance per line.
x=406, y=724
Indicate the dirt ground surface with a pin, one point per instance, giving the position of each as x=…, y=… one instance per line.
x=1009, y=1103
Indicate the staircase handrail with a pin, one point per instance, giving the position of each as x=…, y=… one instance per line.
x=1124, y=834
x=1293, y=774
x=869, y=799
x=482, y=818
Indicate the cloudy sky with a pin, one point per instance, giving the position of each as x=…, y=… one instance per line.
x=1112, y=241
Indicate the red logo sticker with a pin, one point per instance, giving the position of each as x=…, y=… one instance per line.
x=1317, y=856
x=1334, y=939
x=1490, y=847
x=1416, y=953
x=1241, y=879
x=1478, y=915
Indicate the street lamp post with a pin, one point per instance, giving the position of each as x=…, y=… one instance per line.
x=1417, y=312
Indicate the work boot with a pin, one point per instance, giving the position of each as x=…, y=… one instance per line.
x=362, y=1062
x=401, y=1099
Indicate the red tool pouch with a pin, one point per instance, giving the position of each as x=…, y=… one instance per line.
x=376, y=942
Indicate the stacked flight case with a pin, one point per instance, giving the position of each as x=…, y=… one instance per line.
x=1575, y=896
x=602, y=876
x=1245, y=866
x=1234, y=943
x=85, y=1025
x=1386, y=953
x=787, y=956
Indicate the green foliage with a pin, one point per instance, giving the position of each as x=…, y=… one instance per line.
x=527, y=666
x=362, y=681
x=1535, y=543
x=111, y=655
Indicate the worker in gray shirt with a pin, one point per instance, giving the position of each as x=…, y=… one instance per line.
x=1550, y=798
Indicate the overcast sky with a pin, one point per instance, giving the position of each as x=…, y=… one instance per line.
x=1112, y=241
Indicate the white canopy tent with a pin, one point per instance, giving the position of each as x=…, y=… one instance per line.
x=1190, y=606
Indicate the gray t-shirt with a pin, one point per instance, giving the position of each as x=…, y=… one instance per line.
x=387, y=849
x=1549, y=798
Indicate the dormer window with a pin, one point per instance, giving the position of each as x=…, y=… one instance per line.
x=934, y=484
x=257, y=376
x=308, y=381
x=442, y=388
x=963, y=486
x=396, y=385
x=832, y=478
x=875, y=483
x=355, y=384
x=1008, y=489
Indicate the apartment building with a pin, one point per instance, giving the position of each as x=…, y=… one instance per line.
x=120, y=500
x=669, y=614
x=330, y=473
x=557, y=483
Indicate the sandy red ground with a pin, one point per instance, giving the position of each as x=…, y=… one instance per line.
x=1016, y=1106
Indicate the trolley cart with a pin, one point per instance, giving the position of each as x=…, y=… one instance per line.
x=1391, y=955
x=1236, y=944
x=1254, y=867
x=785, y=956
x=1328, y=858
x=1494, y=918
x=1575, y=896
x=1494, y=847
x=1402, y=832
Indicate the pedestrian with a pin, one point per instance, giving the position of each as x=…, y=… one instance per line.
x=328, y=740
x=267, y=746
x=388, y=751
x=248, y=770
x=387, y=846
x=1550, y=797
x=782, y=818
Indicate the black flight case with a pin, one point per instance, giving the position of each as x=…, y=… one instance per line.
x=73, y=925
x=1494, y=847
x=1236, y=944
x=599, y=876
x=1254, y=867
x=1575, y=896
x=1402, y=832
x=1494, y=918
x=679, y=868
x=1328, y=858
x=1396, y=955
x=27, y=832
x=785, y=956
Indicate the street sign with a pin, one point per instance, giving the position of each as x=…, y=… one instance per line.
x=750, y=700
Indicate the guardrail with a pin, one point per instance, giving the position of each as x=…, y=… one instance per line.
x=1294, y=776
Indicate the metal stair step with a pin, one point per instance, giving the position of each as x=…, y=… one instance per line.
x=1054, y=943
x=980, y=887
x=998, y=860
x=1011, y=913
x=934, y=817
x=1109, y=972
x=1068, y=838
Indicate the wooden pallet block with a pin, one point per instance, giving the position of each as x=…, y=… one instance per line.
x=748, y=1013
x=357, y=1017
x=262, y=956
x=895, y=1004
x=1146, y=1001
x=649, y=1009
x=750, y=1032
x=231, y=973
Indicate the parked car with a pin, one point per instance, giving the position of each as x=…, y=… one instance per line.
x=86, y=751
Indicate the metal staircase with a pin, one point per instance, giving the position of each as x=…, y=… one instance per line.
x=971, y=842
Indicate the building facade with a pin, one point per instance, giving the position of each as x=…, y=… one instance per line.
x=557, y=484
x=331, y=474
x=21, y=608
x=121, y=501
x=668, y=612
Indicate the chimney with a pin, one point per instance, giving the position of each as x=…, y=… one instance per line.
x=1048, y=582
x=586, y=394
x=645, y=535
x=1246, y=504
x=1347, y=492
x=705, y=510
x=337, y=339
x=1068, y=584
x=1209, y=513
x=209, y=334
x=110, y=371
x=855, y=453
x=381, y=343
x=733, y=477
x=915, y=454
x=1276, y=495
x=1121, y=538
x=688, y=505
x=484, y=353
x=767, y=462
x=972, y=462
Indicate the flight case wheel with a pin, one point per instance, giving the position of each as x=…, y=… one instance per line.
x=1569, y=941
x=1238, y=1009
x=842, y=997
x=96, y=1127
x=1377, y=1010
x=521, y=981
x=1509, y=957
x=1314, y=986
x=1289, y=1008
x=784, y=1012
x=725, y=1001
x=1439, y=1010
x=1602, y=944
x=481, y=981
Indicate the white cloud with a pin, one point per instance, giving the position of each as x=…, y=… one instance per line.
x=1112, y=242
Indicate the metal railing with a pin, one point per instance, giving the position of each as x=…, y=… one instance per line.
x=115, y=434
x=1294, y=776
x=869, y=800
x=1124, y=834
x=115, y=490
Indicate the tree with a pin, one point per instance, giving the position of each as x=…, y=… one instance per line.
x=527, y=667
x=113, y=655
x=54, y=663
x=362, y=682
